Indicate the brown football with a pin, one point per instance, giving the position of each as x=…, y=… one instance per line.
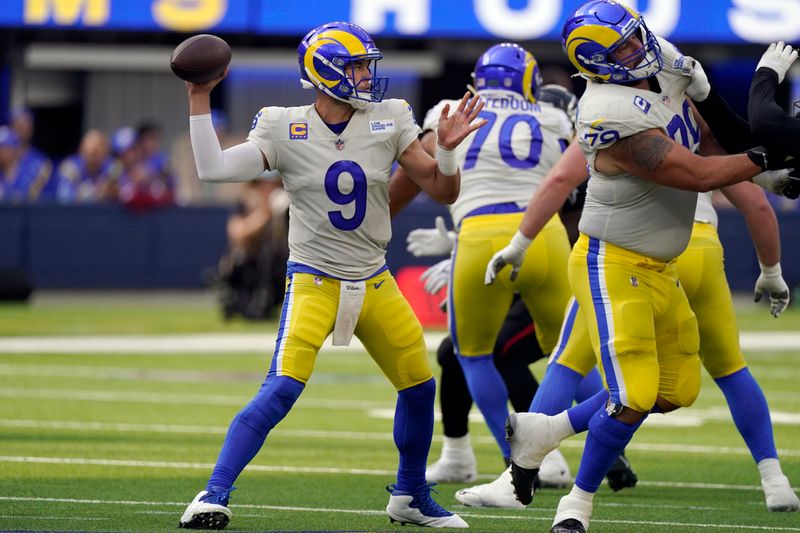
x=201, y=58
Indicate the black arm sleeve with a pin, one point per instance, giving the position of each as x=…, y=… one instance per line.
x=731, y=131
x=770, y=124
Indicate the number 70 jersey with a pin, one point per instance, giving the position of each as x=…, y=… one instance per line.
x=337, y=183
x=506, y=160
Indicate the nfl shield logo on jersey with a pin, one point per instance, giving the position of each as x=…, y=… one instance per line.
x=339, y=144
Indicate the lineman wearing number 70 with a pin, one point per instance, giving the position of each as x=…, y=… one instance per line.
x=335, y=158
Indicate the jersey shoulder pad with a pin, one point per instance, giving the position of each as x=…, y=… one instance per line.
x=612, y=112
x=395, y=109
x=267, y=119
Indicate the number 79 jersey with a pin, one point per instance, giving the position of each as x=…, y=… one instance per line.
x=506, y=160
x=337, y=183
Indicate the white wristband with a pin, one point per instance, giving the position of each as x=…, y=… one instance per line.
x=773, y=271
x=446, y=161
x=520, y=241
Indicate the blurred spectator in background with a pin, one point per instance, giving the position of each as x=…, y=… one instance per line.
x=141, y=184
x=86, y=175
x=148, y=139
x=31, y=157
x=190, y=190
x=21, y=180
x=252, y=271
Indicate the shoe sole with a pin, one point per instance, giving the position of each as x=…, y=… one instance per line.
x=216, y=520
x=523, y=479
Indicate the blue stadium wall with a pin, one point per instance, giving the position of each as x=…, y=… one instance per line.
x=98, y=247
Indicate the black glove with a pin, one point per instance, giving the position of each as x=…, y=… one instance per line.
x=767, y=160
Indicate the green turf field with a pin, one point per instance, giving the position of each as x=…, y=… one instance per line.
x=116, y=441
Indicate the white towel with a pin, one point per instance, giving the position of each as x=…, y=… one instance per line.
x=351, y=298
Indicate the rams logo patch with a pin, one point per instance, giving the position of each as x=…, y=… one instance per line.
x=641, y=103
x=298, y=130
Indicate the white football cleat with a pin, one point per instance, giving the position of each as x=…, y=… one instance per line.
x=420, y=509
x=532, y=436
x=208, y=510
x=572, y=515
x=554, y=471
x=780, y=496
x=498, y=493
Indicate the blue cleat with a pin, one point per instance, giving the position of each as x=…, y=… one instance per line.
x=208, y=510
x=420, y=509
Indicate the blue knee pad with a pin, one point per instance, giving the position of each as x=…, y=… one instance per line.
x=272, y=403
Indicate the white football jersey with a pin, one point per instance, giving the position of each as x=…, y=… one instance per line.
x=337, y=184
x=624, y=209
x=705, y=211
x=506, y=160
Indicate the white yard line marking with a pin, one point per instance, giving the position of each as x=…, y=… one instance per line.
x=347, y=435
x=176, y=398
x=296, y=469
x=37, y=517
x=265, y=342
x=526, y=514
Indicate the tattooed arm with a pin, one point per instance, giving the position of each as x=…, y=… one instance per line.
x=652, y=155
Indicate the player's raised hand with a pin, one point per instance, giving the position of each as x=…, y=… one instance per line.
x=435, y=241
x=778, y=57
x=200, y=88
x=771, y=281
x=513, y=254
x=454, y=128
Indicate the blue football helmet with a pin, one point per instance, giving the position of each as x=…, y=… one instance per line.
x=325, y=54
x=598, y=28
x=508, y=66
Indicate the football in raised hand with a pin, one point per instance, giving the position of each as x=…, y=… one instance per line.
x=201, y=58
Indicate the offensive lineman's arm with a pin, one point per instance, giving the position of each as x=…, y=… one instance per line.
x=761, y=221
x=763, y=227
x=652, y=155
x=568, y=172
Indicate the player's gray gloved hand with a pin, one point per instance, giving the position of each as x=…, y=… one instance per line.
x=771, y=281
x=513, y=254
x=436, y=277
x=698, y=87
x=435, y=241
x=779, y=57
x=775, y=181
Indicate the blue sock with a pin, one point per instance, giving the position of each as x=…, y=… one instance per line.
x=581, y=414
x=413, y=431
x=250, y=427
x=750, y=413
x=606, y=439
x=591, y=385
x=556, y=391
x=490, y=394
